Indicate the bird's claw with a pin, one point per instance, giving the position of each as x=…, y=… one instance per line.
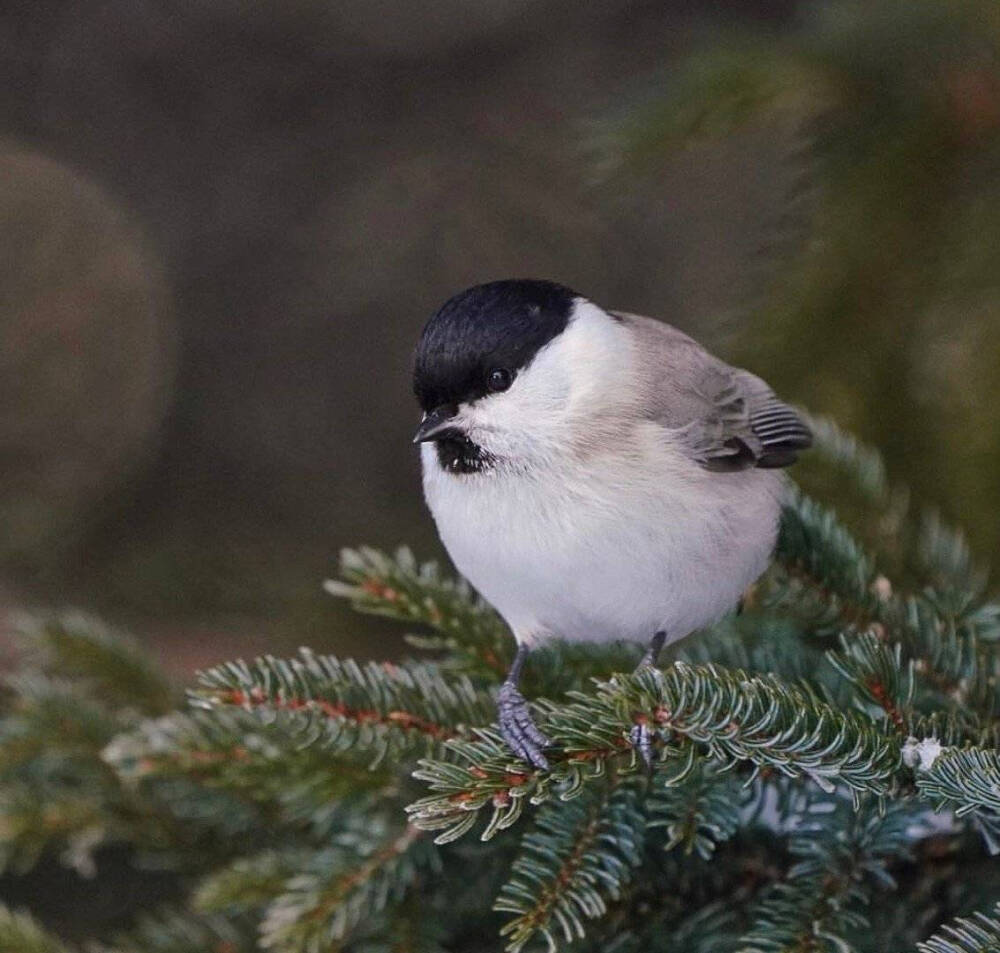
x=640, y=735
x=519, y=729
x=642, y=740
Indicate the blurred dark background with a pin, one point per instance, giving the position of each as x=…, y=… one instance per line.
x=224, y=224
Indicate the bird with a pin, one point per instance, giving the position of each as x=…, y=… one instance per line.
x=595, y=475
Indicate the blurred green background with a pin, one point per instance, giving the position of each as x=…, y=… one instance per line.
x=224, y=224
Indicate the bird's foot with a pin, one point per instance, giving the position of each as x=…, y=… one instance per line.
x=641, y=736
x=519, y=729
x=652, y=654
x=642, y=740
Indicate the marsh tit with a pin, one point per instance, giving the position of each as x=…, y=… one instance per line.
x=595, y=475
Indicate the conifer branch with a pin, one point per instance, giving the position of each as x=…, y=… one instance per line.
x=249, y=883
x=963, y=779
x=937, y=553
x=944, y=556
x=976, y=934
x=175, y=931
x=851, y=458
x=876, y=671
x=263, y=765
x=399, y=587
x=279, y=794
x=699, y=807
x=822, y=561
x=20, y=933
x=715, y=93
x=579, y=856
x=116, y=669
x=936, y=646
x=45, y=708
x=733, y=715
x=74, y=822
x=56, y=792
x=322, y=904
x=341, y=704
x=819, y=900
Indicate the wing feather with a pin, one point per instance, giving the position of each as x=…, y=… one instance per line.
x=729, y=418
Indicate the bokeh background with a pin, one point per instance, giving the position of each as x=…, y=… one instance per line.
x=224, y=223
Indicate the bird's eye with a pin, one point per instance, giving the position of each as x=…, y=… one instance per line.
x=499, y=379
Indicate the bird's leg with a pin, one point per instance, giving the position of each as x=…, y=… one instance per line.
x=516, y=724
x=652, y=653
x=640, y=735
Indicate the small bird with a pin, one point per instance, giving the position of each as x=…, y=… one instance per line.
x=595, y=475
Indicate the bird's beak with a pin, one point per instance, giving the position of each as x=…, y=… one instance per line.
x=437, y=424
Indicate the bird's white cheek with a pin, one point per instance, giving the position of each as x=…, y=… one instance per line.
x=528, y=419
x=517, y=435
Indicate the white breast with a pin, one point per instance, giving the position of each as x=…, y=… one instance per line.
x=636, y=541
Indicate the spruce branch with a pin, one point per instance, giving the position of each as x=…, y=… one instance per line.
x=702, y=909
x=73, y=822
x=55, y=792
x=45, y=708
x=699, y=807
x=717, y=91
x=733, y=715
x=359, y=876
x=20, y=933
x=760, y=642
x=177, y=931
x=237, y=784
x=399, y=587
x=80, y=648
x=965, y=780
x=342, y=705
x=818, y=903
x=249, y=883
x=876, y=670
x=935, y=554
x=78, y=684
x=265, y=762
x=849, y=457
x=976, y=934
x=580, y=855
x=278, y=795
x=825, y=568
x=938, y=649
x=944, y=555
x=878, y=511
x=805, y=917
x=957, y=728
x=932, y=664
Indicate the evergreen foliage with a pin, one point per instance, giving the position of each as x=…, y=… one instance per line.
x=976, y=934
x=19, y=933
x=877, y=293
x=831, y=749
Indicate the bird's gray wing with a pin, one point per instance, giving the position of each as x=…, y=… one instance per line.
x=728, y=418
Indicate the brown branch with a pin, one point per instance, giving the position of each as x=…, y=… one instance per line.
x=345, y=884
x=549, y=895
x=399, y=718
x=888, y=706
x=851, y=614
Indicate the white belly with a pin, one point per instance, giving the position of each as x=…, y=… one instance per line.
x=607, y=556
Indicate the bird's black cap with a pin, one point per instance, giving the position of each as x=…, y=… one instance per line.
x=502, y=324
